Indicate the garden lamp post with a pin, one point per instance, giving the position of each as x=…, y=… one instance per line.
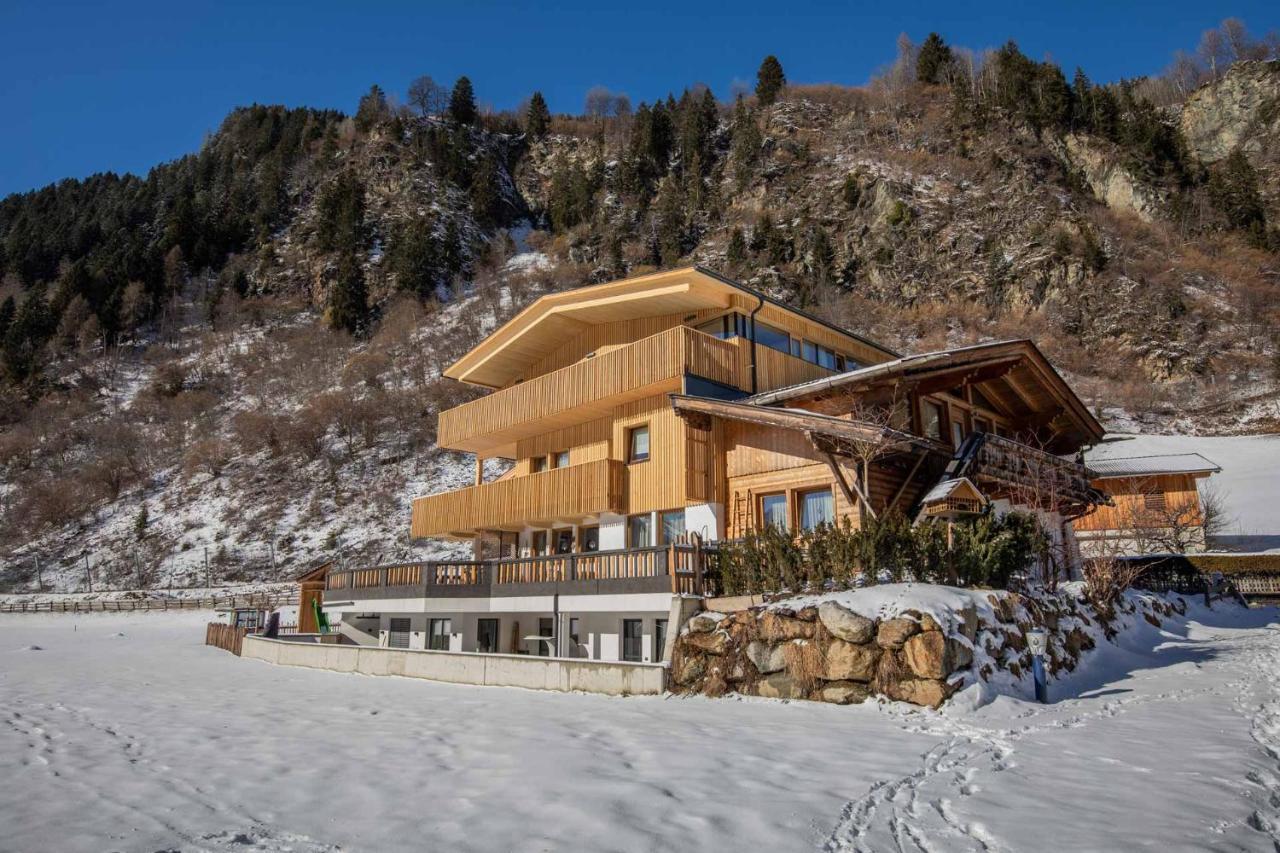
x=1038, y=643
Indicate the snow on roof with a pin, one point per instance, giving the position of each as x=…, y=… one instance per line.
x=1167, y=463
x=947, y=488
x=1248, y=485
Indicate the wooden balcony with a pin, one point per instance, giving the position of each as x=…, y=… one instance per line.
x=587, y=390
x=560, y=494
x=680, y=568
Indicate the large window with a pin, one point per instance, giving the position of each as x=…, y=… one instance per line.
x=638, y=444
x=816, y=508
x=672, y=526
x=632, y=640
x=931, y=420
x=438, y=634
x=725, y=326
x=826, y=358
x=773, y=338
x=773, y=511
x=640, y=531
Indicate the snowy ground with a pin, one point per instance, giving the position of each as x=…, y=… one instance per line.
x=123, y=732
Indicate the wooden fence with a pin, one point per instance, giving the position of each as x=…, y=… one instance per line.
x=227, y=637
x=264, y=601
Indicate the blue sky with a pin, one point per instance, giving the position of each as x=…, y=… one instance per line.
x=120, y=86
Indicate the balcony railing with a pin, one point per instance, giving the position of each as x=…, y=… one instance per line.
x=588, y=389
x=560, y=494
x=679, y=568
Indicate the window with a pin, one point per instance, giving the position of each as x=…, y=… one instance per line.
x=1155, y=501
x=659, y=639
x=826, y=358
x=546, y=628
x=398, y=636
x=574, y=627
x=795, y=347
x=957, y=432
x=538, y=543
x=773, y=338
x=589, y=537
x=981, y=425
x=487, y=635
x=564, y=541
x=640, y=531
x=931, y=420
x=816, y=508
x=538, y=464
x=438, y=631
x=844, y=363
x=773, y=511
x=809, y=352
x=725, y=326
x=632, y=640
x=672, y=526
x=638, y=444
x=560, y=459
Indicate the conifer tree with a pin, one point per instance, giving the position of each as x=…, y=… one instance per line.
x=745, y=147
x=372, y=110
x=1233, y=188
x=736, y=253
x=414, y=257
x=769, y=80
x=7, y=310
x=538, y=117
x=851, y=192
x=486, y=193
x=933, y=59
x=462, y=102
x=348, y=299
x=27, y=333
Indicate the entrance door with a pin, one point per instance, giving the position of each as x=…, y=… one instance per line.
x=487, y=635
x=546, y=628
x=632, y=640
x=398, y=636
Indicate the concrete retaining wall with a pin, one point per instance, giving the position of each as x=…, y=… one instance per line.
x=613, y=679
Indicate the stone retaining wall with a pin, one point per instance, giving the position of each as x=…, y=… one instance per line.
x=537, y=673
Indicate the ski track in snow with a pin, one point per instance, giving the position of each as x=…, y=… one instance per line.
x=917, y=813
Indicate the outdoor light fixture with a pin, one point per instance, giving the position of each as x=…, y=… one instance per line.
x=1038, y=643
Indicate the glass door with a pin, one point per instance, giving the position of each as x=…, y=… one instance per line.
x=487, y=635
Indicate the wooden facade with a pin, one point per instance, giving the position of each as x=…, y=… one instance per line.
x=1147, y=501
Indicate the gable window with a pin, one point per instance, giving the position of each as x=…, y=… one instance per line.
x=638, y=444
x=672, y=526
x=560, y=459
x=640, y=531
x=931, y=420
x=773, y=511
x=816, y=508
x=773, y=337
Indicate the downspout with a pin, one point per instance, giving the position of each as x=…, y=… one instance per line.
x=754, y=312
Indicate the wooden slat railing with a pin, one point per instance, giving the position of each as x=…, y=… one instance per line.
x=585, y=390
x=266, y=601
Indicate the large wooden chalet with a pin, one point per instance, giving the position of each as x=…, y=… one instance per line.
x=648, y=418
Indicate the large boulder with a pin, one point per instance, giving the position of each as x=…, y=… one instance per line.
x=843, y=692
x=850, y=661
x=921, y=691
x=776, y=627
x=705, y=623
x=715, y=643
x=767, y=657
x=688, y=668
x=932, y=654
x=894, y=632
x=844, y=623
x=779, y=685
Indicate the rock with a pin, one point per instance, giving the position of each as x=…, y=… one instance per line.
x=928, y=623
x=932, y=654
x=705, y=623
x=779, y=685
x=844, y=623
x=1110, y=180
x=714, y=644
x=807, y=614
x=1237, y=111
x=921, y=691
x=894, y=632
x=715, y=685
x=843, y=692
x=850, y=662
x=767, y=658
x=689, y=668
x=969, y=622
x=776, y=627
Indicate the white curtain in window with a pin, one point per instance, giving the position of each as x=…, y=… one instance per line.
x=816, y=508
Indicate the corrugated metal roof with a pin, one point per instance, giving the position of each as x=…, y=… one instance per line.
x=1169, y=463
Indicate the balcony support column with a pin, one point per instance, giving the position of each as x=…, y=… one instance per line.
x=479, y=470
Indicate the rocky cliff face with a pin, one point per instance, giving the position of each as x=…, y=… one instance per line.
x=1240, y=111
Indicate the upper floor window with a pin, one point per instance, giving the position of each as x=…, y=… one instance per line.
x=560, y=459
x=638, y=444
x=772, y=337
x=538, y=463
x=826, y=358
x=726, y=326
x=931, y=420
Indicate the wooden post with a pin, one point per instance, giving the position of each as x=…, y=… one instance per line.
x=479, y=470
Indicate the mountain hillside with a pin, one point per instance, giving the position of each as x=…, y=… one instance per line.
x=240, y=353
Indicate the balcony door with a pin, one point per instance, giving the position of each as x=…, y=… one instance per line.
x=487, y=635
x=632, y=640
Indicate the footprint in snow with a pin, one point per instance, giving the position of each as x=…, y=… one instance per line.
x=31, y=649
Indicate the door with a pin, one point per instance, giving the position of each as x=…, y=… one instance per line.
x=590, y=538
x=659, y=639
x=398, y=636
x=487, y=635
x=545, y=629
x=438, y=635
x=564, y=540
x=632, y=640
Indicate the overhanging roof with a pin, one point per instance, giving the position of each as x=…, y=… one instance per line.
x=550, y=320
x=1141, y=466
x=980, y=360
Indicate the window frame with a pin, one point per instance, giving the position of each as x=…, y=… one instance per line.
x=800, y=495
x=583, y=532
x=632, y=431
x=661, y=532
x=446, y=635
x=559, y=459
x=762, y=516
x=537, y=464
x=941, y=411
x=647, y=517
x=772, y=330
